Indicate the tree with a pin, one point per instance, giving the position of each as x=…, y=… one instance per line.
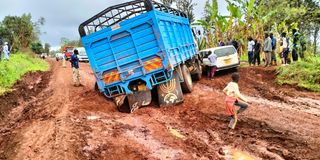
x=37, y=47
x=20, y=31
x=213, y=23
x=186, y=6
x=67, y=42
x=47, y=48
x=167, y=2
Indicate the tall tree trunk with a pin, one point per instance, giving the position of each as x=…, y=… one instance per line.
x=315, y=36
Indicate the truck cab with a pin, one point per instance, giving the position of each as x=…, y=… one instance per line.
x=68, y=51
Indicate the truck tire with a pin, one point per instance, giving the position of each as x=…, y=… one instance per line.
x=197, y=76
x=186, y=85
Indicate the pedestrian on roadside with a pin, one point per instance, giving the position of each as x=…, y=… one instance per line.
x=257, y=49
x=250, y=50
x=213, y=65
x=64, y=59
x=285, y=48
x=273, y=52
x=0, y=53
x=6, y=51
x=235, y=44
x=229, y=42
x=75, y=68
x=234, y=99
x=296, y=46
x=267, y=49
x=220, y=43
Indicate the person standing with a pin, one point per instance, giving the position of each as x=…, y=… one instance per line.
x=235, y=44
x=267, y=49
x=75, y=68
x=220, y=43
x=250, y=50
x=213, y=65
x=229, y=42
x=6, y=51
x=64, y=57
x=273, y=52
x=257, y=49
x=234, y=99
x=296, y=46
x=285, y=48
x=0, y=52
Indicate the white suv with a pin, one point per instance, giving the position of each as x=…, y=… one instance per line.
x=227, y=57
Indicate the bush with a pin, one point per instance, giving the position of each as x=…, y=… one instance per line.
x=304, y=74
x=19, y=64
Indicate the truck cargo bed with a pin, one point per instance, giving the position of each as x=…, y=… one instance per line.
x=139, y=40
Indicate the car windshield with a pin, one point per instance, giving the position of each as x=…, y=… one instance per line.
x=225, y=51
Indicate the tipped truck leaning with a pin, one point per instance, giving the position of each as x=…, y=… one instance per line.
x=138, y=46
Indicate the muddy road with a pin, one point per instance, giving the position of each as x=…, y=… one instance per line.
x=46, y=117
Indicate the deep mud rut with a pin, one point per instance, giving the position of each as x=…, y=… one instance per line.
x=55, y=120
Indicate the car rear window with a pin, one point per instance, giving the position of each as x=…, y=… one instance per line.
x=224, y=51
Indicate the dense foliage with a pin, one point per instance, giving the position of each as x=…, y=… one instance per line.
x=255, y=17
x=19, y=64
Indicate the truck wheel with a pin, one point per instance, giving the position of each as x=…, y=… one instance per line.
x=186, y=85
x=197, y=76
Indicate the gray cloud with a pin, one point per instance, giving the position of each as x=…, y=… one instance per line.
x=64, y=16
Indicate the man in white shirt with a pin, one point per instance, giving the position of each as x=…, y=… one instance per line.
x=250, y=50
x=6, y=51
x=285, y=47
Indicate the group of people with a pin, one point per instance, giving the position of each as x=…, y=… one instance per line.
x=6, y=52
x=269, y=49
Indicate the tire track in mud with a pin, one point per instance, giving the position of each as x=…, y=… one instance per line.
x=77, y=123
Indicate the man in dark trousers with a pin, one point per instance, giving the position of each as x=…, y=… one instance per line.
x=273, y=52
x=285, y=48
x=296, y=46
x=75, y=68
x=257, y=49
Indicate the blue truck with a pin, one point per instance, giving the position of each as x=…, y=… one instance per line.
x=138, y=48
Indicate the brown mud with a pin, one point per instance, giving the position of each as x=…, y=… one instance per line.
x=66, y=122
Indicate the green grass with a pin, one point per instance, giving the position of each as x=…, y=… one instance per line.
x=304, y=74
x=19, y=64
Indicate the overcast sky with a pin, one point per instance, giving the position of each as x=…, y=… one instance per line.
x=64, y=16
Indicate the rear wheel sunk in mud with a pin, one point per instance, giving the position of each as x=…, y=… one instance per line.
x=186, y=85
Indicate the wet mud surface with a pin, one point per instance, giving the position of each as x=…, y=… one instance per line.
x=55, y=120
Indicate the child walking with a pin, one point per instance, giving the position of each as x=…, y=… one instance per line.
x=234, y=99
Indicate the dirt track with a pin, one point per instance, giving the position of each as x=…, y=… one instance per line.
x=51, y=119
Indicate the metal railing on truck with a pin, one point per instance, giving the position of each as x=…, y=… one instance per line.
x=115, y=14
